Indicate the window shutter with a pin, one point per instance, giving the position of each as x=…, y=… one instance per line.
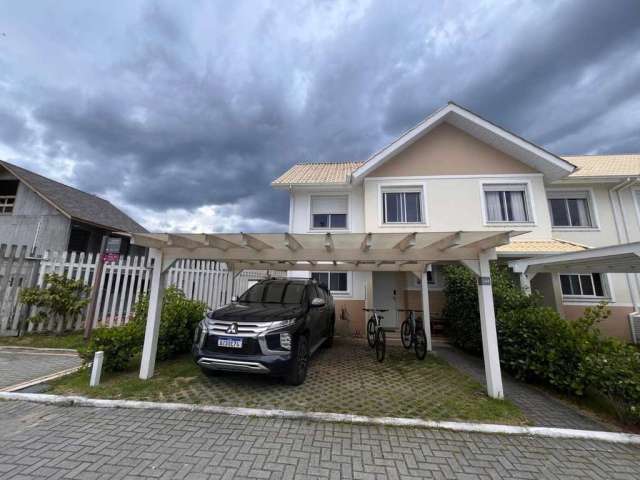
x=329, y=204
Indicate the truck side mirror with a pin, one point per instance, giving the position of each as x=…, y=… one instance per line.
x=317, y=302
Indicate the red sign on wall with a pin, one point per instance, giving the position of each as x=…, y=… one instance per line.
x=110, y=257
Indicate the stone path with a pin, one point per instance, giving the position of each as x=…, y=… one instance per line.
x=538, y=406
x=22, y=365
x=44, y=441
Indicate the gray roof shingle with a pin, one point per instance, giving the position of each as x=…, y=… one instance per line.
x=75, y=203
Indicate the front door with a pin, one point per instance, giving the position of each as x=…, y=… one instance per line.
x=385, y=295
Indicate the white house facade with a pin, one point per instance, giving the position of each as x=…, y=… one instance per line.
x=458, y=172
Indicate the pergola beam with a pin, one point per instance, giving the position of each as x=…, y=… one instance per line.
x=365, y=246
x=328, y=242
x=191, y=242
x=253, y=243
x=221, y=243
x=291, y=243
x=450, y=241
x=407, y=242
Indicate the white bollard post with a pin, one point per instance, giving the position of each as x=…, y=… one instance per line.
x=96, y=369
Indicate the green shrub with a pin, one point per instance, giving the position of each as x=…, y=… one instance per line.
x=120, y=344
x=59, y=299
x=538, y=345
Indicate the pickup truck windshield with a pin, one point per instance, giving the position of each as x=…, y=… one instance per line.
x=274, y=292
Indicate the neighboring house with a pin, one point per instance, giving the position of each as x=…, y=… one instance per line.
x=457, y=171
x=47, y=215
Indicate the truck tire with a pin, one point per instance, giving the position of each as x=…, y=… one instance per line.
x=298, y=372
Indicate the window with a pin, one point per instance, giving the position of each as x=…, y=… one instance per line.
x=583, y=285
x=430, y=278
x=403, y=206
x=329, y=211
x=570, y=209
x=8, y=191
x=506, y=203
x=334, y=281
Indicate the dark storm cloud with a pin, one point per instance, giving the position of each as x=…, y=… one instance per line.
x=181, y=108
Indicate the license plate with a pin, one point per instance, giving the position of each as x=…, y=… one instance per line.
x=230, y=342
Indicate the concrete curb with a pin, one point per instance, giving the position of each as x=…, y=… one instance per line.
x=612, y=437
x=42, y=350
x=36, y=381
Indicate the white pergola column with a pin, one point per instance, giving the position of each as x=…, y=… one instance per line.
x=158, y=280
x=488, y=327
x=525, y=283
x=426, y=315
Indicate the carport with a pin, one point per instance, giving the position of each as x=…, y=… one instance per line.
x=623, y=258
x=372, y=252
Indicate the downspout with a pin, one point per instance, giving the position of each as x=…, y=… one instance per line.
x=622, y=231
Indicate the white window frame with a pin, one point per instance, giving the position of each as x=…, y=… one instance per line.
x=7, y=201
x=337, y=293
x=566, y=193
x=347, y=228
x=528, y=200
x=635, y=192
x=606, y=290
x=401, y=187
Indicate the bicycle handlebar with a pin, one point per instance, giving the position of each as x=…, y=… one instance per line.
x=407, y=310
x=375, y=310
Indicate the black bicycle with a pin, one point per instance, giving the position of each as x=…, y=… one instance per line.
x=375, y=333
x=412, y=333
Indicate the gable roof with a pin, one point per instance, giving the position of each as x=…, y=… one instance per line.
x=75, y=203
x=552, y=166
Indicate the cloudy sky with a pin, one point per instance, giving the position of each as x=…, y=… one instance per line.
x=181, y=113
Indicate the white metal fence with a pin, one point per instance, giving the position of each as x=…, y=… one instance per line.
x=121, y=284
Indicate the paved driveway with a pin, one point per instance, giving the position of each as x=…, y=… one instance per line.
x=20, y=366
x=43, y=441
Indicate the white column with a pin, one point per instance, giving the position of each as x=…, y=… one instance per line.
x=557, y=293
x=488, y=326
x=525, y=283
x=158, y=280
x=426, y=314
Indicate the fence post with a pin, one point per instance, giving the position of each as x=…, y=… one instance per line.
x=88, y=322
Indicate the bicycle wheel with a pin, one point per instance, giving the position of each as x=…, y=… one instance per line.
x=371, y=332
x=405, y=334
x=421, y=344
x=381, y=345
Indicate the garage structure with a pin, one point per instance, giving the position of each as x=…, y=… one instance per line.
x=371, y=252
x=622, y=258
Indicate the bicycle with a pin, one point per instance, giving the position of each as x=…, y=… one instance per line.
x=375, y=333
x=412, y=333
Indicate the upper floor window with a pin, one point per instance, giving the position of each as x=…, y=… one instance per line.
x=506, y=203
x=402, y=205
x=582, y=285
x=570, y=209
x=329, y=211
x=8, y=192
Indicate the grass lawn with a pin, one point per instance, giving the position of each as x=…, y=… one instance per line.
x=344, y=379
x=68, y=340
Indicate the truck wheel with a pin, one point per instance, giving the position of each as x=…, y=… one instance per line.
x=328, y=343
x=298, y=372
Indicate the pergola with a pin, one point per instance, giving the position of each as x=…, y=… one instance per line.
x=371, y=252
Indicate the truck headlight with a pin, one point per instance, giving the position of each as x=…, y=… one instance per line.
x=282, y=323
x=285, y=341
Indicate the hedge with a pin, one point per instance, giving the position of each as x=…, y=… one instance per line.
x=179, y=318
x=536, y=344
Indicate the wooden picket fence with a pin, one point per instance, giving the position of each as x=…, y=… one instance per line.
x=121, y=285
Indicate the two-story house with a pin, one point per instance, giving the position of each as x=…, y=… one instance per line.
x=43, y=214
x=457, y=171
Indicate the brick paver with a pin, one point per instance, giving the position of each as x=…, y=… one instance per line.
x=44, y=441
x=540, y=408
x=18, y=365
